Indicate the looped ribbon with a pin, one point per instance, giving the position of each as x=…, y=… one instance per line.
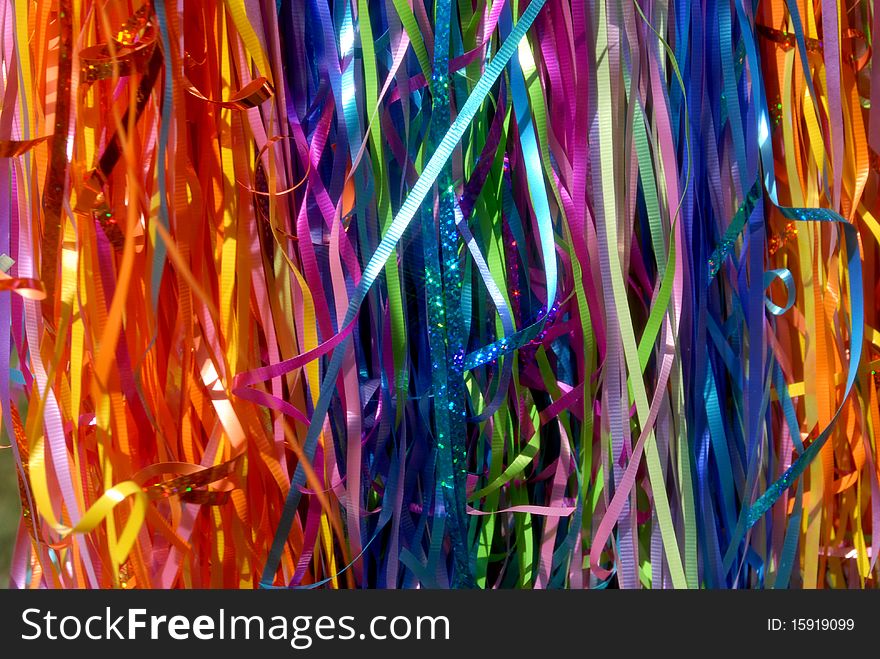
x=102, y=62
x=259, y=187
x=104, y=507
x=256, y=188
x=857, y=325
x=133, y=45
x=120, y=546
x=255, y=93
x=34, y=463
x=190, y=478
x=784, y=275
x=750, y=514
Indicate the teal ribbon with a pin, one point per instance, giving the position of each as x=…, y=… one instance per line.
x=443, y=285
x=159, y=251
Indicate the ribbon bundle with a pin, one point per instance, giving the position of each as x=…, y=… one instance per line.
x=492, y=294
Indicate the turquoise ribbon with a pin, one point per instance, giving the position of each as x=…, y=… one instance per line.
x=159, y=251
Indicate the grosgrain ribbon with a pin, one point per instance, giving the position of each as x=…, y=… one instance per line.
x=383, y=251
